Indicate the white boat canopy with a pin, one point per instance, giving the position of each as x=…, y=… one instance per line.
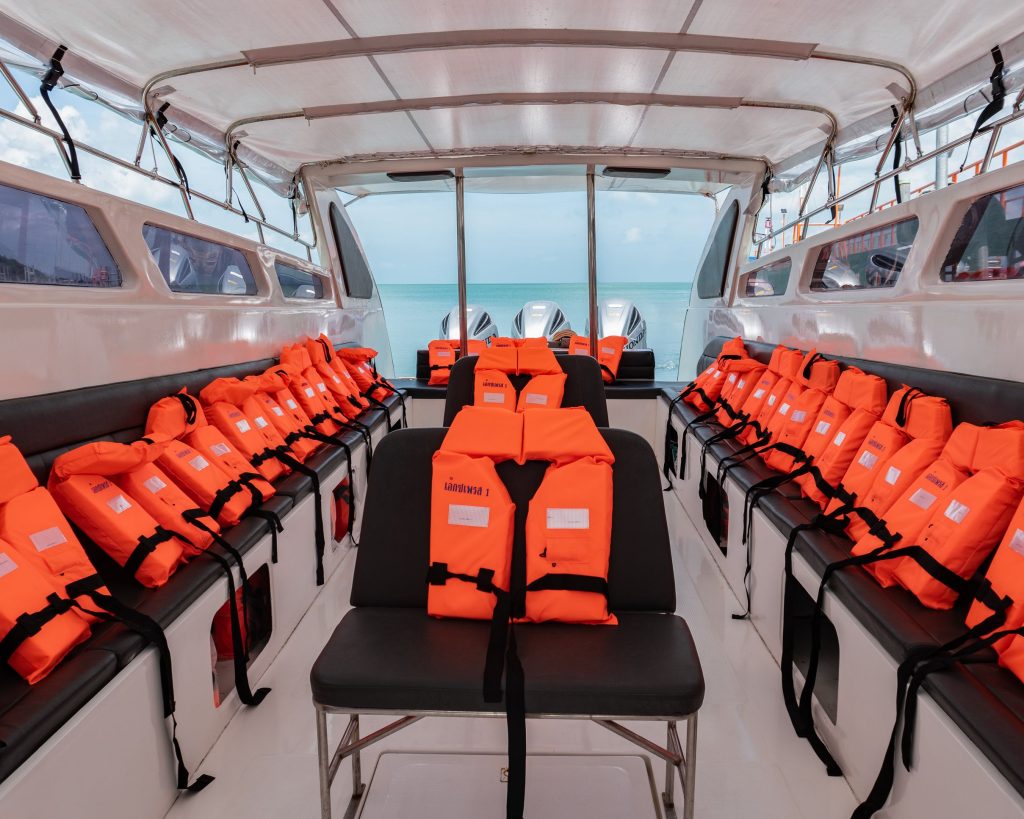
x=361, y=87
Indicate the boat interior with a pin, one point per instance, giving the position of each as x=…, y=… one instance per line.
x=262, y=557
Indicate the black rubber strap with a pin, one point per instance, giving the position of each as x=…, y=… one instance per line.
x=995, y=105
x=30, y=624
x=188, y=403
x=319, y=539
x=113, y=610
x=666, y=468
x=276, y=527
x=50, y=80
x=222, y=496
x=146, y=546
x=570, y=582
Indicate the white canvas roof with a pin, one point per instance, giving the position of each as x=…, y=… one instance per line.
x=353, y=83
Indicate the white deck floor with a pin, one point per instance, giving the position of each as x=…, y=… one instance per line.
x=749, y=762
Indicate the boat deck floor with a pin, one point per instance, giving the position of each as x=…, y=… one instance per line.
x=749, y=761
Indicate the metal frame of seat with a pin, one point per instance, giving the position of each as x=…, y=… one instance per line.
x=678, y=761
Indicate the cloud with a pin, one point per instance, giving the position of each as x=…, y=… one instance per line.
x=634, y=234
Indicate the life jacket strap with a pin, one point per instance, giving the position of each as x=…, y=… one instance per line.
x=276, y=527
x=320, y=541
x=146, y=546
x=30, y=624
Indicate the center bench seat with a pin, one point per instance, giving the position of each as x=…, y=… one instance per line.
x=984, y=700
x=44, y=427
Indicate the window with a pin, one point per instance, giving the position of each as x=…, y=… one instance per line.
x=354, y=270
x=768, y=280
x=299, y=284
x=46, y=241
x=990, y=242
x=711, y=278
x=193, y=265
x=867, y=260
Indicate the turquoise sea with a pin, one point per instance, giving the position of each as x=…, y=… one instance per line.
x=414, y=312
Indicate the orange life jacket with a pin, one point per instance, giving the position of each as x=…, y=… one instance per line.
x=441, y=355
x=289, y=421
x=33, y=525
x=909, y=414
x=568, y=526
x=360, y=365
x=1006, y=574
x=345, y=390
x=843, y=422
x=963, y=531
x=609, y=353
x=494, y=388
x=744, y=376
x=789, y=364
x=206, y=478
x=500, y=342
x=818, y=378
x=306, y=396
x=37, y=625
x=297, y=360
x=706, y=387
x=82, y=483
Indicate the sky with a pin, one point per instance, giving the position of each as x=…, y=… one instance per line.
x=411, y=237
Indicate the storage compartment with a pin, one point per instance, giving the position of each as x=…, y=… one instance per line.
x=255, y=616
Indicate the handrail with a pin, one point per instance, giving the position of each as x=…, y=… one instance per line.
x=804, y=218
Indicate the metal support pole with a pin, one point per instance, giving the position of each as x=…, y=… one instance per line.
x=460, y=246
x=592, y=258
x=941, y=159
x=323, y=753
x=170, y=156
x=24, y=99
x=893, y=135
x=990, y=151
x=668, y=796
x=690, y=767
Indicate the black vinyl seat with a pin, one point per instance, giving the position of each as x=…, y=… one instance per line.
x=583, y=386
x=388, y=655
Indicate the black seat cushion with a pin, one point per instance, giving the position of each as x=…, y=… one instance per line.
x=30, y=714
x=395, y=541
x=398, y=659
x=583, y=386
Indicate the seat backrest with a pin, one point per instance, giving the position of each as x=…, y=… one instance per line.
x=583, y=386
x=394, y=548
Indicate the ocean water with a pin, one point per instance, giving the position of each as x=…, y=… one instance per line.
x=414, y=312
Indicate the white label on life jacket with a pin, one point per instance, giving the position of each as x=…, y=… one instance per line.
x=477, y=516
x=840, y=437
x=119, y=504
x=957, y=511
x=799, y=416
x=260, y=421
x=47, y=539
x=1017, y=542
x=243, y=426
x=220, y=449
x=922, y=498
x=199, y=463
x=611, y=351
x=320, y=385
x=732, y=378
x=718, y=374
x=822, y=428
x=309, y=392
x=784, y=409
x=154, y=484
x=892, y=475
x=568, y=518
x=771, y=400
x=336, y=379
x=277, y=411
x=758, y=394
x=867, y=459
x=494, y=398
x=537, y=398
x=291, y=404
x=6, y=564
x=443, y=353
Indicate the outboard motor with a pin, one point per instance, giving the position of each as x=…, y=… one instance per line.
x=541, y=319
x=479, y=324
x=621, y=317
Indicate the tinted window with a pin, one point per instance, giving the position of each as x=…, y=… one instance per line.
x=711, y=278
x=193, y=265
x=46, y=241
x=990, y=241
x=299, y=284
x=354, y=270
x=871, y=259
x=770, y=280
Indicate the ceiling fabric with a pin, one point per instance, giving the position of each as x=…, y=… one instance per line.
x=117, y=48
